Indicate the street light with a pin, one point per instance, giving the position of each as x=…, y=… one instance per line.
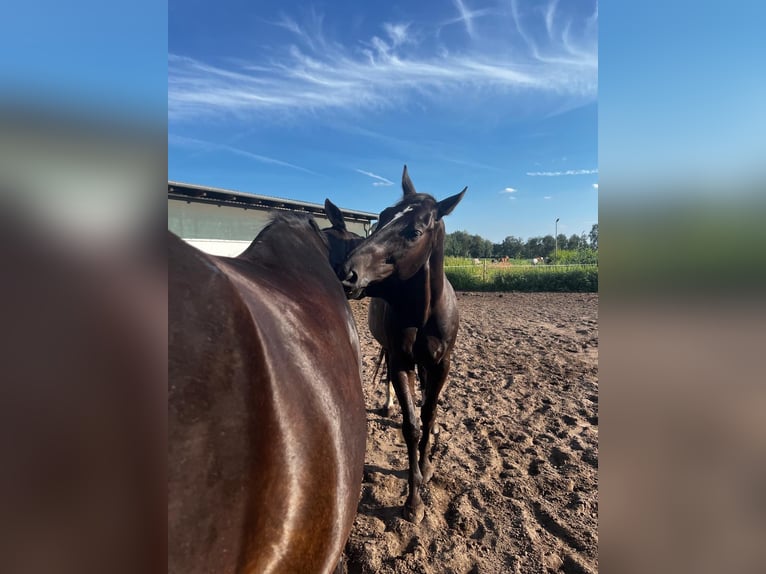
x=556, y=238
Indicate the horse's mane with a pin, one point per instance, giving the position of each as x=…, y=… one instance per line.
x=290, y=218
x=283, y=224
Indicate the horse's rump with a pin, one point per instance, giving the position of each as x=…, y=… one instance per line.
x=267, y=422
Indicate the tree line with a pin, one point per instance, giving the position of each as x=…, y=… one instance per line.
x=463, y=244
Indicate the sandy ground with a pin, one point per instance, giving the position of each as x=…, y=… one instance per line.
x=516, y=462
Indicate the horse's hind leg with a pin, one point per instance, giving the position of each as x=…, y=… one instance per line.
x=433, y=383
x=389, y=399
x=385, y=410
x=390, y=392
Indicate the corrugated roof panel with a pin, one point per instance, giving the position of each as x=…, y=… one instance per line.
x=192, y=192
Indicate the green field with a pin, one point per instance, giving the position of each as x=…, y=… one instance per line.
x=520, y=276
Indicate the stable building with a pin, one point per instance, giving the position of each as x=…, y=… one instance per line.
x=225, y=222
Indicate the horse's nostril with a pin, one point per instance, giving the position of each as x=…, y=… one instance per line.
x=351, y=277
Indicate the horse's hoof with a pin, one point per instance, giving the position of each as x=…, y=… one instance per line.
x=416, y=514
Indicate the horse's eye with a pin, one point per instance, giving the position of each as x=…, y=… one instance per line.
x=415, y=233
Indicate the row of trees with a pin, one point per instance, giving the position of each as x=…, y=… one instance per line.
x=462, y=244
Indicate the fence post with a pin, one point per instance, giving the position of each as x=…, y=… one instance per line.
x=484, y=275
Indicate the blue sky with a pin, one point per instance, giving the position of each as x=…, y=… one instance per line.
x=314, y=100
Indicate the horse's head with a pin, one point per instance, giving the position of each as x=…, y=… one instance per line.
x=341, y=241
x=406, y=236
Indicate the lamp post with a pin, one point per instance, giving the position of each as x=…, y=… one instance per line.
x=556, y=241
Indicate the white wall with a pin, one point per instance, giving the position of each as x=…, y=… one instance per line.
x=224, y=230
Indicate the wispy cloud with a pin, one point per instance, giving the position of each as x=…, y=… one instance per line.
x=468, y=163
x=570, y=42
x=550, y=15
x=401, y=65
x=310, y=33
x=466, y=16
x=202, y=145
x=397, y=33
x=548, y=197
x=382, y=181
x=509, y=191
x=560, y=173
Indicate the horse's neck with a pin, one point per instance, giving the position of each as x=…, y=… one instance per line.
x=436, y=266
x=421, y=292
x=411, y=301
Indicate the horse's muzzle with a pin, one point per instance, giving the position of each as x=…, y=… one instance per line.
x=352, y=286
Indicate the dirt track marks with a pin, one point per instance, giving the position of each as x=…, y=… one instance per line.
x=515, y=487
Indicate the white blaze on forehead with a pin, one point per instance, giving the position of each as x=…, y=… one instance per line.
x=398, y=215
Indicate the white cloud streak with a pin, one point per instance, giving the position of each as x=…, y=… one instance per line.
x=567, y=47
x=382, y=181
x=400, y=66
x=509, y=190
x=560, y=173
x=550, y=15
x=202, y=145
x=466, y=16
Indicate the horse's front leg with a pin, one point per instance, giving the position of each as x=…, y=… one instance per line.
x=404, y=382
x=433, y=383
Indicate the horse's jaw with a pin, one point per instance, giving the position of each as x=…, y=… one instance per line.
x=358, y=281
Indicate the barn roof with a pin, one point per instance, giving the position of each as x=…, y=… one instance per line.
x=204, y=194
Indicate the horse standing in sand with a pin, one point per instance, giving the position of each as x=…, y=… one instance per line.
x=401, y=265
x=266, y=413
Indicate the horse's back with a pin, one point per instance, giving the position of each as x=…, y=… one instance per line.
x=210, y=416
x=313, y=354
x=291, y=424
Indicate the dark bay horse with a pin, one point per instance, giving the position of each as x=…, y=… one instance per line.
x=266, y=413
x=415, y=317
x=342, y=242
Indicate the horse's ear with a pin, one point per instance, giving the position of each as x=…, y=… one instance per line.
x=334, y=214
x=407, y=187
x=445, y=206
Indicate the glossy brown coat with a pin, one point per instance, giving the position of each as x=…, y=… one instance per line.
x=266, y=413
